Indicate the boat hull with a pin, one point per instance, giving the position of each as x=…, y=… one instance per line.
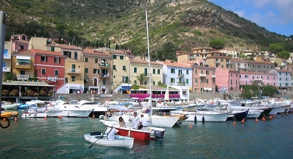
x=212, y=117
x=120, y=141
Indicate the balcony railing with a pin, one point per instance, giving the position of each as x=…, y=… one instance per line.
x=23, y=65
x=22, y=77
x=6, y=69
x=105, y=76
x=6, y=56
x=202, y=75
x=214, y=76
x=104, y=65
x=74, y=71
x=217, y=62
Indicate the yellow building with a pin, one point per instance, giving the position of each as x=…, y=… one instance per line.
x=74, y=76
x=23, y=65
x=121, y=67
x=70, y=51
x=138, y=67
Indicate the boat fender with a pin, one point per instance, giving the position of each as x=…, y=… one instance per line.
x=203, y=119
x=195, y=119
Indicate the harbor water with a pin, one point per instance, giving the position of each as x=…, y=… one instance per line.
x=63, y=138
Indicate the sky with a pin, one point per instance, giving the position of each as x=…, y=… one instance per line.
x=274, y=15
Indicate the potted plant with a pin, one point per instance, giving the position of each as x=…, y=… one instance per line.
x=14, y=92
x=5, y=92
x=43, y=92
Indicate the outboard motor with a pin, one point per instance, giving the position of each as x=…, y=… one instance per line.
x=158, y=134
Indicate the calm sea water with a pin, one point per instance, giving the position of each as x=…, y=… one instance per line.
x=63, y=138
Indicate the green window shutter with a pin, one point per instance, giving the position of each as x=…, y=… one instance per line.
x=86, y=70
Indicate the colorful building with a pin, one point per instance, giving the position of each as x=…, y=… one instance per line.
x=284, y=78
x=259, y=78
x=227, y=80
x=23, y=65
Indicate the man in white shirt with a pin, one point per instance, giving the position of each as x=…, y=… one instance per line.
x=135, y=121
x=111, y=131
x=143, y=121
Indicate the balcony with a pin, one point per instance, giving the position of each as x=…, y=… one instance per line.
x=6, y=56
x=104, y=76
x=228, y=63
x=6, y=69
x=214, y=76
x=217, y=62
x=104, y=65
x=23, y=65
x=202, y=75
x=73, y=71
x=22, y=77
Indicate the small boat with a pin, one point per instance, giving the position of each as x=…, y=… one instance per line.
x=6, y=114
x=120, y=141
x=9, y=106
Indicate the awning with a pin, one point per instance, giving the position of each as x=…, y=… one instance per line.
x=24, y=61
x=23, y=57
x=125, y=88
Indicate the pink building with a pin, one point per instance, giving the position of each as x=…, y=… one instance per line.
x=203, y=77
x=247, y=78
x=227, y=80
x=19, y=42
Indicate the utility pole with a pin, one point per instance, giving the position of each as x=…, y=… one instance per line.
x=3, y=18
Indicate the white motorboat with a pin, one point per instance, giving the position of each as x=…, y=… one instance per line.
x=205, y=115
x=9, y=106
x=120, y=141
x=166, y=121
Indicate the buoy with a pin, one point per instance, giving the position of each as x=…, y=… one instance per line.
x=45, y=118
x=203, y=119
x=15, y=119
x=243, y=121
x=263, y=118
x=4, y=119
x=256, y=120
x=60, y=116
x=93, y=116
x=190, y=126
x=195, y=119
x=270, y=117
x=234, y=123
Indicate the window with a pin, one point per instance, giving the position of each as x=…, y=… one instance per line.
x=154, y=83
x=172, y=80
x=207, y=72
x=213, y=81
x=86, y=70
x=52, y=48
x=114, y=56
x=195, y=80
x=43, y=71
x=66, y=80
x=258, y=66
x=252, y=77
x=154, y=71
x=239, y=76
x=73, y=78
x=96, y=71
x=231, y=82
x=114, y=67
x=56, y=72
x=172, y=70
x=207, y=80
x=195, y=71
x=5, y=52
x=279, y=73
x=268, y=77
x=75, y=55
x=96, y=60
x=187, y=72
x=86, y=59
x=159, y=71
x=201, y=71
x=57, y=59
x=187, y=81
x=135, y=70
x=124, y=67
x=135, y=82
x=22, y=72
x=121, y=57
x=44, y=58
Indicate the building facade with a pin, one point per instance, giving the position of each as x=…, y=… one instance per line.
x=227, y=80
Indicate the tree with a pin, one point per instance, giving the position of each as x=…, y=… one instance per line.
x=217, y=44
x=269, y=91
x=141, y=78
x=277, y=47
x=284, y=54
x=9, y=76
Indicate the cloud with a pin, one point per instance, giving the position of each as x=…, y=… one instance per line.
x=241, y=13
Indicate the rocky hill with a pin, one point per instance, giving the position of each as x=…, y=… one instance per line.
x=173, y=24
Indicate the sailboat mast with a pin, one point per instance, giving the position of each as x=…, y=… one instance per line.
x=149, y=61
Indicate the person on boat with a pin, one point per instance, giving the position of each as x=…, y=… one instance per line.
x=111, y=131
x=143, y=122
x=135, y=121
x=121, y=122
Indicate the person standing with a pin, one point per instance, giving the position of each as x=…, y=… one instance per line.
x=143, y=122
x=135, y=121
